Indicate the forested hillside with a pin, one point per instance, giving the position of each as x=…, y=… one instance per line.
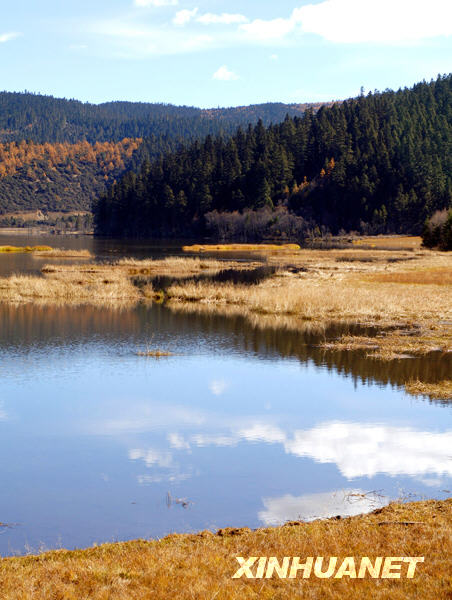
x=377, y=163
x=41, y=119
x=58, y=177
x=58, y=154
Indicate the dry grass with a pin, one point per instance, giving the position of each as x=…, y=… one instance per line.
x=390, y=241
x=70, y=288
x=241, y=248
x=441, y=390
x=63, y=253
x=435, y=276
x=104, y=283
x=325, y=298
x=406, y=295
x=172, y=266
x=10, y=249
x=398, y=343
x=201, y=566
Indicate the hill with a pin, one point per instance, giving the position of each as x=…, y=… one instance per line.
x=41, y=119
x=378, y=163
x=45, y=142
x=61, y=176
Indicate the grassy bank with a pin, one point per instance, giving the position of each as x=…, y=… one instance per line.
x=201, y=566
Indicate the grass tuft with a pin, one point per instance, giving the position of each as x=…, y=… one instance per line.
x=241, y=248
x=10, y=249
x=435, y=391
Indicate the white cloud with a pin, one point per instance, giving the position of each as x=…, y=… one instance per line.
x=274, y=57
x=338, y=21
x=275, y=29
x=224, y=74
x=135, y=40
x=143, y=3
x=6, y=37
x=319, y=506
x=224, y=18
x=206, y=439
x=360, y=21
x=183, y=17
x=369, y=21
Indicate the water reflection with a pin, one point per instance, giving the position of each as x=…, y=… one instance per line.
x=357, y=449
x=344, y=503
x=250, y=424
x=30, y=326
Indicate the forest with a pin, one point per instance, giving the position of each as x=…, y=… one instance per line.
x=58, y=154
x=41, y=119
x=62, y=176
x=379, y=163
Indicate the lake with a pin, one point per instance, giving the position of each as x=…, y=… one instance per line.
x=244, y=425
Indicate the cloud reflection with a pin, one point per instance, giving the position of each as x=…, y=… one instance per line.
x=218, y=386
x=308, y=507
x=152, y=457
x=358, y=449
x=365, y=450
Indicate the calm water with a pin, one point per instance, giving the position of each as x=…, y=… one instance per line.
x=243, y=426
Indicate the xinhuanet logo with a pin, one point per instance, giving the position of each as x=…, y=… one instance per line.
x=389, y=567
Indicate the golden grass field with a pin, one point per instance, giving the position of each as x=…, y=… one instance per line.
x=200, y=566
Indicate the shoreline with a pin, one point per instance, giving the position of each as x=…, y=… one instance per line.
x=202, y=564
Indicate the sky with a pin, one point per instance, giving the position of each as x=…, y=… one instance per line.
x=211, y=53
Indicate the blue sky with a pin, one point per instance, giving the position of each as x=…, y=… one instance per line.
x=221, y=53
